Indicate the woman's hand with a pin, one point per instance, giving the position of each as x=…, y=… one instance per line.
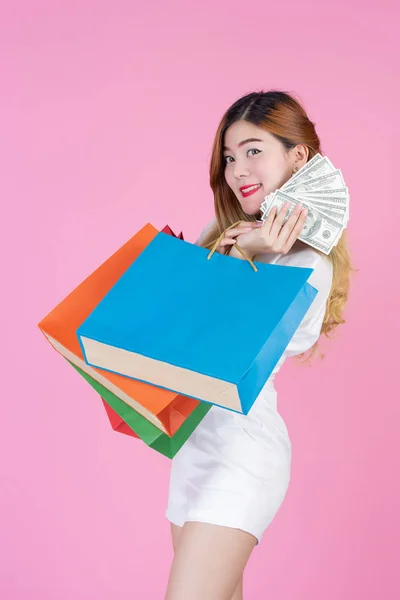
x=272, y=235
x=232, y=234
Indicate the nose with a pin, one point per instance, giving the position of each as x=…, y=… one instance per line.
x=240, y=170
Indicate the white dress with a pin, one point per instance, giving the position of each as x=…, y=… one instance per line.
x=234, y=469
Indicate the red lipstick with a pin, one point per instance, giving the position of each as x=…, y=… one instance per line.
x=245, y=187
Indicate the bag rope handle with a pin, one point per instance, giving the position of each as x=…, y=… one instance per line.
x=216, y=242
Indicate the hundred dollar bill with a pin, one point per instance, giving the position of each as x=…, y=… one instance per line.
x=267, y=201
x=340, y=193
x=320, y=230
x=329, y=181
x=324, y=196
x=314, y=168
x=333, y=202
x=335, y=207
x=311, y=163
x=338, y=212
x=337, y=203
x=341, y=217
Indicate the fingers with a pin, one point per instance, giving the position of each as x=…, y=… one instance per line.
x=267, y=225
x=223, y=244
x=286, y=230
x=227, y=242
x=278, y=222
x=243, y=227
x=237, y=231
x=231, y=234
x=290, y=235
x=282, y=235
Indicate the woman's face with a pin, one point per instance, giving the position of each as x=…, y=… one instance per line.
x=263, y=160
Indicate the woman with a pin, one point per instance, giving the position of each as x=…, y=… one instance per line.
x=230, y=478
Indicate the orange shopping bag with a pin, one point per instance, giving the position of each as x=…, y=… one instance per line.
x=165, y=409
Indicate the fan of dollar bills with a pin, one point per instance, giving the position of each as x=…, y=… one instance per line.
x=320, y=187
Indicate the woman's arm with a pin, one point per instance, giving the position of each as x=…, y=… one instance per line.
x=205, y=232
x=309, y=329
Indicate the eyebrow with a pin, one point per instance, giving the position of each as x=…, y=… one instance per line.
x=240, y=144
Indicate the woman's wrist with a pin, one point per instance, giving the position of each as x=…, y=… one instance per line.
x=236, y=254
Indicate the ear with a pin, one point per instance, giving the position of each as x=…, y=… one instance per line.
x=300, y=155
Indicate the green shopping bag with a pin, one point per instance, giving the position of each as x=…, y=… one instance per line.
x=146, y=431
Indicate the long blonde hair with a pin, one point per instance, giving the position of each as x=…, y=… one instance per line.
x=283, y=116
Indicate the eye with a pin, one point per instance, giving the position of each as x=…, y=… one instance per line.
x=249, y=150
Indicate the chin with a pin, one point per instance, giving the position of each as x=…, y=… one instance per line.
x=252, y=210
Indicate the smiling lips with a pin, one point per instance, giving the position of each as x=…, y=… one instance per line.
x=247, y=190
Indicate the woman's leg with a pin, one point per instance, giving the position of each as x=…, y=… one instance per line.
x=209, y=562
x=175, y=534
x=238, y=595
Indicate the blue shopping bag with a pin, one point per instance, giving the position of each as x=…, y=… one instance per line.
x=179, y=321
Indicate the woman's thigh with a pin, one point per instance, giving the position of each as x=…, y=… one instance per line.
x=175, y=534
x=209, y=561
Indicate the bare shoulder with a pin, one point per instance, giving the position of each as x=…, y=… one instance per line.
x=205, y=231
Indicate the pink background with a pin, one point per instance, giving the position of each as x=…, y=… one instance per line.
x=108, y=112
